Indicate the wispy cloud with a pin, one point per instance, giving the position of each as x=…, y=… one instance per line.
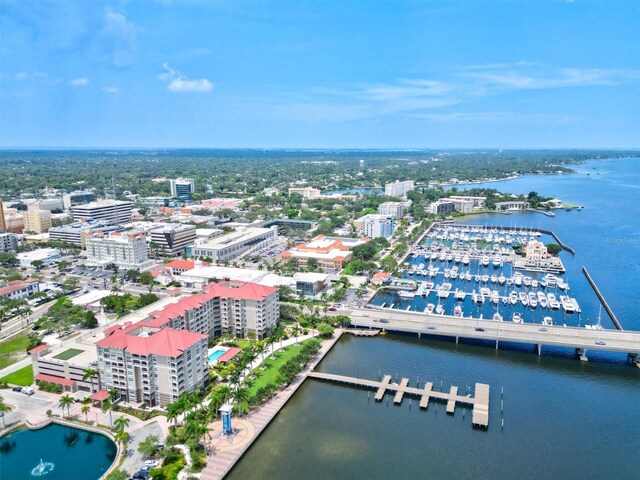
x=121, y=37
x=21, y=76
x=111, y=89
x=179, y=83
x=79, y=82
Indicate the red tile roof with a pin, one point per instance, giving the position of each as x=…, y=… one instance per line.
x=16, y=285
x=240, y=290
x=167, y=342
x=100, y=395
x=51, y=379
x=229, y=354
x=39, y=348
x=181, y=264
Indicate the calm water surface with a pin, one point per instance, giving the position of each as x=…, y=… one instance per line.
x=562, y=418
x=66, y=453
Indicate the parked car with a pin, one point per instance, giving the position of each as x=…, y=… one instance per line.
x=151, y=463
x=28, y=391
x=479, y=329
x=17, y=389
x=141, y=474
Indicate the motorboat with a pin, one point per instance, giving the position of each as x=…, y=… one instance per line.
x=534, y=283
x=459, y=294
x=439, y=309
x=468, y=277
x=477, y=298
x=497, y=317
x=495, y=297
x=457, y=311
x=513, y=297
x=484, y=261
x=465, y=260
x=485, y=278
x=501, y=279
x=406, y=294
x=516, y=317
x=533, y=300
x=494, y=278
x=496, y=261
x=547, y=321
x=429, y=309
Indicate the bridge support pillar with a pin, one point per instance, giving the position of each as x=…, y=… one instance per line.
x=582, y=353
x=539, y=348
x=497, y=344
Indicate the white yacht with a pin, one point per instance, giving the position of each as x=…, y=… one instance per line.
x=534, y=283
x=513, y=297
x=547, y=321
x=485, y=278
x=497, y=317
x=533, y=300
x=477, y=298
x=406, y=294
x=439, y=309
x=496, y=261
x=524, y=299
x=501, y=279
x=429, y=309
x=465, y=260
x=495, y=297
x=516, y=318
x=457, y=311
x=459, y=294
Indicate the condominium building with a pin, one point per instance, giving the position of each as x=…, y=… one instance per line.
x=392, y=209
x=152, y=365
x=76, y=233
x=19, y=289
x=126, y=250
x=477, y=202
x=171, y=239
x=37, y=221
x=377, y=226
x=8, y=242
x=308, y=193
x=236, y=244
x=398, y=188
x=114, y=211
x=182, y=188
x=77, y=198
x=442, y=207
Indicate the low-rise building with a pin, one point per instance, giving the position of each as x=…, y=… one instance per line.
x=19, y=289
x=45, y=255
x=37, y=221
x=65, y=367
x=310, y=284
x=126, y=250
x=512, y=205
x=308, y=193
x=236, y=244
x=179, y=266
x=326, y=252
x=476, y=202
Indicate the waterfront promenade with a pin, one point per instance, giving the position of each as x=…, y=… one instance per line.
x=224, y=455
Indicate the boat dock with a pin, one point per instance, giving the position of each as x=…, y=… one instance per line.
x=480, y=401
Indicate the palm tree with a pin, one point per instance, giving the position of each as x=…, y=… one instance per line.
x=242, y=397
x=107, y=405
x=296, y=330
x=85, y=409
x=65, y=402
x=121, y=423
x=3, y=409
x=90, y=373
x=173, y=410
x=261, y=349
x=122, y=437
x=215, y=402
x=225, y=393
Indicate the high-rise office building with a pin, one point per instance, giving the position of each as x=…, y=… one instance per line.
x=77, y=198
x=171, y=240
x=114, y=211
x=126, y=250
x=182, y=188
x=376, y=226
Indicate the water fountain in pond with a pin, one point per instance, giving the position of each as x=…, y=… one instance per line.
x=41, y=469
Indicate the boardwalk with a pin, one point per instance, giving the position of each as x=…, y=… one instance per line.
x=480, y=402
x=356, y=332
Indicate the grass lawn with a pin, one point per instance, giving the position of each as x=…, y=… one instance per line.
x=13, y=350
x=268, y=376
x=67, y=354
x=23, y=377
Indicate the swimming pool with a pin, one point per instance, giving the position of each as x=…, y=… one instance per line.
x=215, y=354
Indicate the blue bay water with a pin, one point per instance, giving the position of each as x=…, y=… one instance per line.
x=562, y=418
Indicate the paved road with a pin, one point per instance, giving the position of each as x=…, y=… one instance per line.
x=575, y=337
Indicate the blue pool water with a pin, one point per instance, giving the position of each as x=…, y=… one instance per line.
x=213, y=356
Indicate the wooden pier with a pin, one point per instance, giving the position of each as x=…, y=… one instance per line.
x=480, y=401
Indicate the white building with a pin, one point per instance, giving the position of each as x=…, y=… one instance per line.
x=7, y=242
x=477, y=202
x=171, y=239
x=308, y=193
x=76, y=232
x=19, y=289
x=113, y=211
x=536, y=251
x=126, y=250
x=512, y=205
x=236, y=244
x=392, y=209
x=46, y=255
x=398, y=188
x=376, y=226
x=182, y=187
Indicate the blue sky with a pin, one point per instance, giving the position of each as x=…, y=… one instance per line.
x=320, y=74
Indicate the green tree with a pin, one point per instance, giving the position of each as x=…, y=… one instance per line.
x=365, y=252
x=325, y=330
x=86, y=409
x=65, y=402
x=107, y=406
x=117, y=475
x=147, y=279
x=149, y=446
x=90, y=373
x=553, y=248
x=4, y=408
x=121, y=423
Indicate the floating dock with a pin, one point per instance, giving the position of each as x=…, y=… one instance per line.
x=480, y=402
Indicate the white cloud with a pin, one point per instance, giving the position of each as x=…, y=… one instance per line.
x=21, y=76
x=79, y=82
x=121, y=35
x=180, y=83
x=111, y=89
